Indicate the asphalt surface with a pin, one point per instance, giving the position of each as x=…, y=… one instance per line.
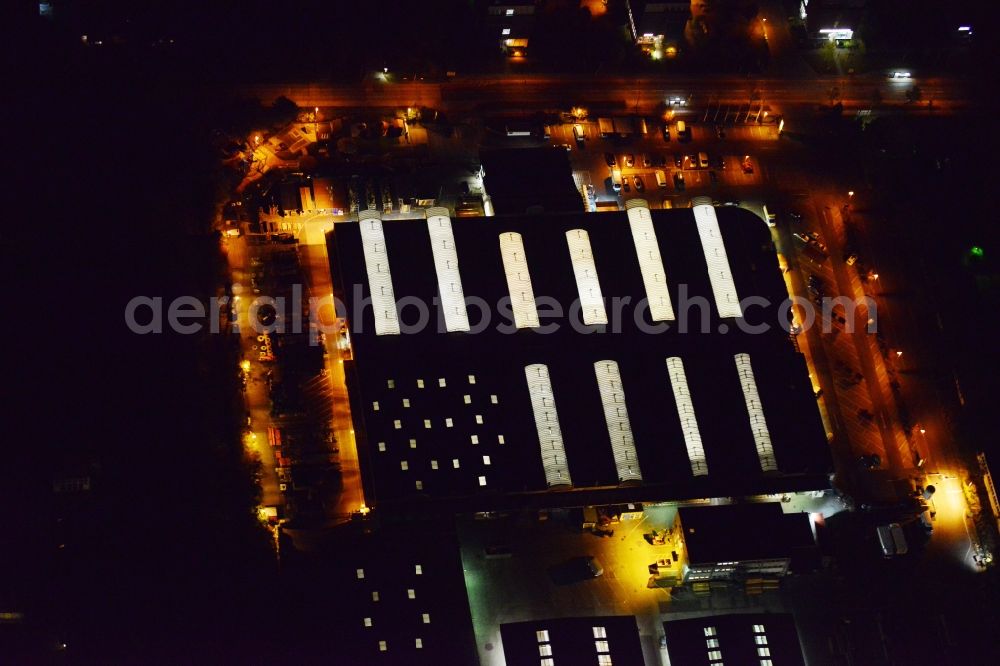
x=512, y=93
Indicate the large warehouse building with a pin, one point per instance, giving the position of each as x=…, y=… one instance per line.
x=571, y=359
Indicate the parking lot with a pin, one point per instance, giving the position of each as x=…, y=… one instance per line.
x=642, y=155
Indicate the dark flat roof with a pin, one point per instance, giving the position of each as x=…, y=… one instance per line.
x=402, y=584
x=518, y=178
x=573, y=640
x=497, y=362
x=741, y=532
x=739, y=637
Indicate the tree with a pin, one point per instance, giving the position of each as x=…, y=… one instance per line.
x=283, y=112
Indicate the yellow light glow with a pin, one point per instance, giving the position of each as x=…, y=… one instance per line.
x=245, y=365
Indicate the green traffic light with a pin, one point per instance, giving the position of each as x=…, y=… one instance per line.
x=976, y=251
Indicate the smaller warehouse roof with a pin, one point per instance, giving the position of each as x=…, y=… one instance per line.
x=744, y=639
x=612, y=639
x=520, y=178
x=741, y=532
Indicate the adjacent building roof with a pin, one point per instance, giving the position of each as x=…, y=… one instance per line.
x=405, y=590
x=520, y=179
x=742, y=532
x=573, y=641
x=694, y=406
x=742, y=639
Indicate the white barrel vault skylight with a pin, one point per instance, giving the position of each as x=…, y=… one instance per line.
x=585, y=272
x=550, y=440
x=515, y=265
x=456, y=317
x=654, y=277
x=379, y=278
x=609, y=383
x=685, y=410
x=719, y=272
x=761, y=436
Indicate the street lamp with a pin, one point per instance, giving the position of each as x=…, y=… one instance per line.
x=850, y=193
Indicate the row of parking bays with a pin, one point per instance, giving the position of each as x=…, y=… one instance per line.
x=700, y=160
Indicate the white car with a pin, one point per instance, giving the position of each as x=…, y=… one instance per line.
x=900, y=76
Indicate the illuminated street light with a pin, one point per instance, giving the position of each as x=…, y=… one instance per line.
x=923, y=431
x=850, y=193
x=899, y=352
x=245, y=365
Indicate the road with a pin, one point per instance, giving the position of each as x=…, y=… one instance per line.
x=643, y=94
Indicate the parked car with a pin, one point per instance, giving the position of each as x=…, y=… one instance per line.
x=639, y=185
x=666, y=132
x=747, y=164
x=576, y=570
x=815, y=285
x=678, y=160
x=703, y=160
x=646, y=160
x=629, y=159
x=609, y=159
x=679, y=181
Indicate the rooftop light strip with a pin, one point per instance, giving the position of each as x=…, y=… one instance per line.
x=550, y=440
x=515, y=265
x=585, y=272
x=609, y=383
x=719, y=272
x=456, y=317
x=654, y=276
x=761, y=436
x=379, y=277
x=685, y=411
